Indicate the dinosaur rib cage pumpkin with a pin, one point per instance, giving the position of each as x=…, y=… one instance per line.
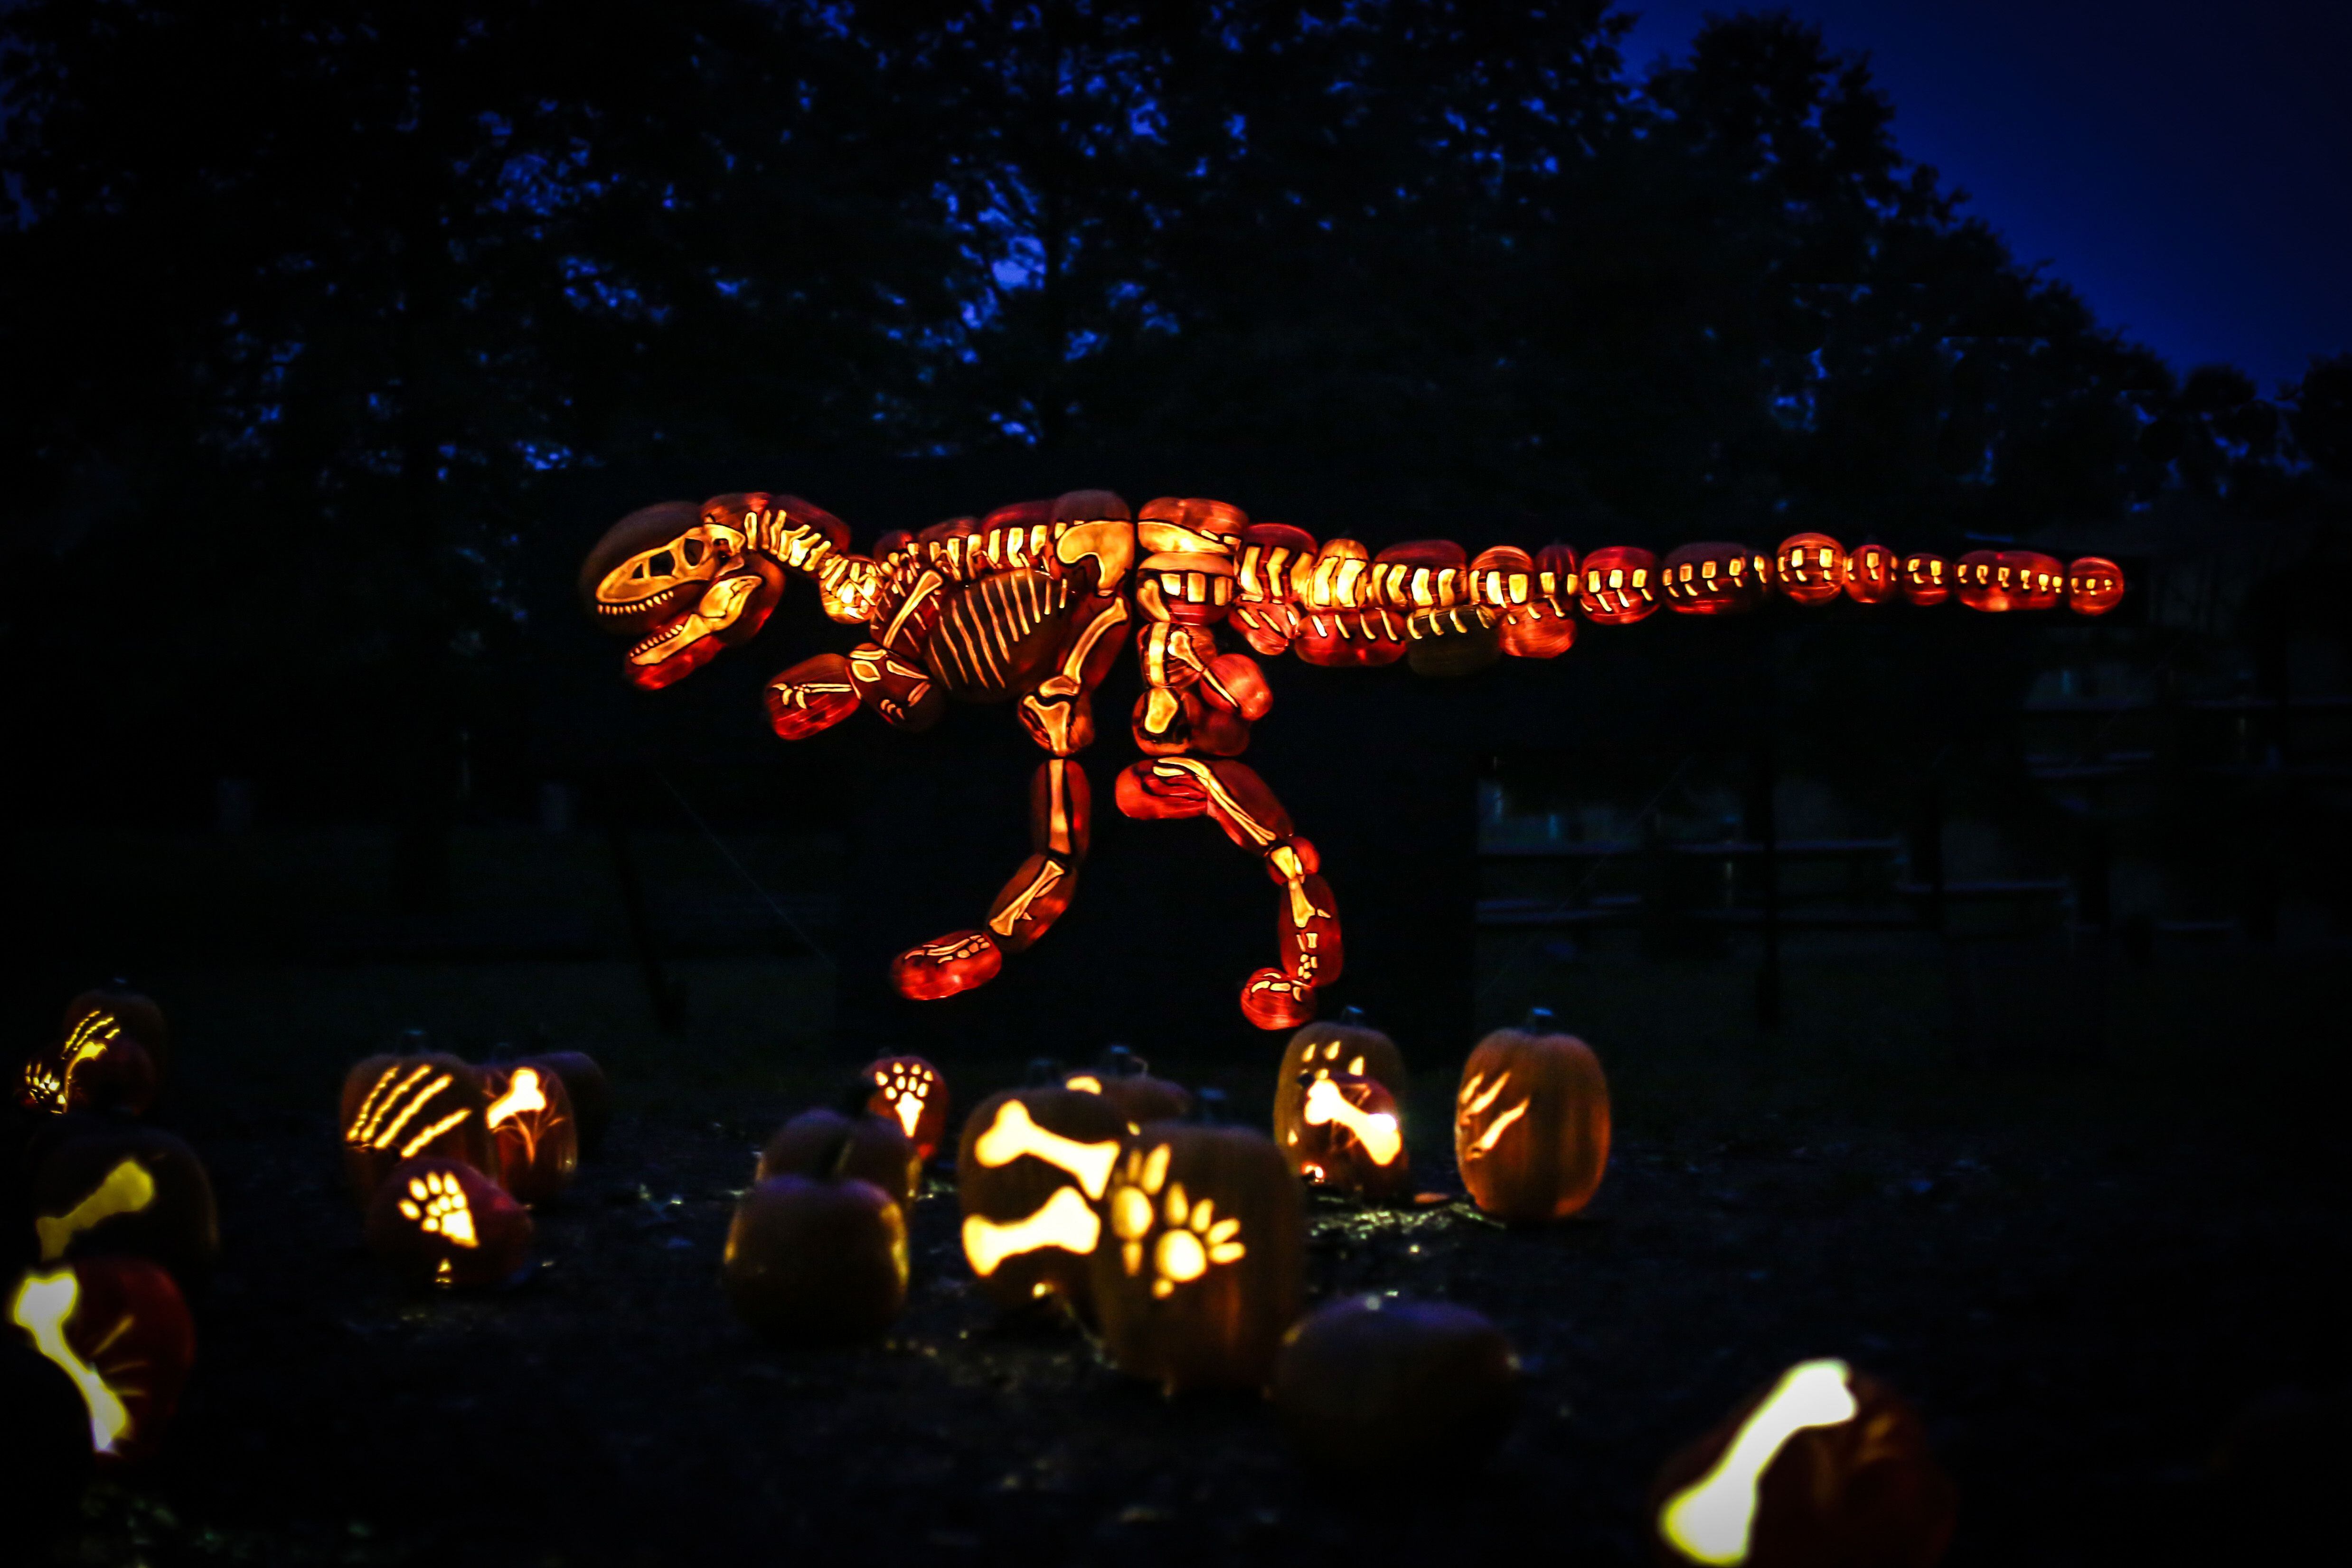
x=1031, y=603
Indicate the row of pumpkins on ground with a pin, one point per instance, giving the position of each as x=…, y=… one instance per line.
x=110, y=1227
x=1177, y=1242
x=1180, y=1244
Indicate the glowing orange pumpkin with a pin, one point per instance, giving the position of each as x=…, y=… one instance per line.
x=1826, y=1466
x=2095, y=585
x=1031, y=1172
x=1808, y=569
x=441, y=1222
x=119, y=1328
x=1927, y=578
x=912, y=1091
x=1714, y=579
x=531, y=1124
x=1531, y=1122
x=1871, y=574
x=1618, y=585
x=1997, y=581
x=1348, y=1044
x=1201, y=1262
x=398, y=1108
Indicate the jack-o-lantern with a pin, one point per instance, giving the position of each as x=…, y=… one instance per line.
x=136, y=1011
x=1618, y=585
x=1808, y=569
x=1125, y=1080
x=1531, y=1122
x=1871, y=574
x=439, y=1221
x=1927, y=578
x=1345, y=1045
x=1341, y=622
x=45, y=1447
x=584, y=1085
x=96, y=1064
x=1826, y=1467
x=2095, y=585
x=399, y=1108
x=1350, y=1138
x=127, y=1190
x=1202, y=1263
x=1270, y=579
x=1373, y=1386
x=1997, y=580
x=1031, y=1172
x=828, y=1143
x=1714, y=579
x=534, y=1128
x=119, y=1328
x=1533, y=599
x=914, y=1093
x=816, y=1258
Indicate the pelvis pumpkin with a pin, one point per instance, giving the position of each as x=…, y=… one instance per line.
x=1531, y=1122
x=1825, y=1469
x=118, y=1328
x=1032, y=1172
x=1201, y=1266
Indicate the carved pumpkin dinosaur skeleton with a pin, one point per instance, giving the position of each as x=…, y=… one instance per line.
x=1030, y=604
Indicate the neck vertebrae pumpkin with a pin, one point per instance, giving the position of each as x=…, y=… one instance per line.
x=1825, y=1466
x=1033, y=603
x=1531, y=1122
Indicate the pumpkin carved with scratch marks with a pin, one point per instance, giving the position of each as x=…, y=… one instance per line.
x=1531, y=1122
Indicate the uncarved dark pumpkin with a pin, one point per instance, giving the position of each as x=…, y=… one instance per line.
x=816, y=1261
x=1373, y=1385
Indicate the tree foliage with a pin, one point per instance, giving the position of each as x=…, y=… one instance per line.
x=303, y=279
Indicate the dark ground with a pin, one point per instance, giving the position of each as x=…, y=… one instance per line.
x=2082, y=1277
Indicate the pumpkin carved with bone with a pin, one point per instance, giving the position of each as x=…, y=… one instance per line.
x=1825, y=1468
x=1032, y=1173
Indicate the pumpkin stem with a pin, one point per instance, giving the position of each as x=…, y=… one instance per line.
x=1538, y=1021
x=1044, y=1073
x=1209, y=1107
x=1121, y=1062
x=835, y=1152
x=1353, y=1017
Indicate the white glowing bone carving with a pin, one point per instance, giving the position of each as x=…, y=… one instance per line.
x=720, y=605
x=1066, y=1220
x=127, y=1189
x=44, y=1305
x=1710, y=1520
x=523, y=1094
x=1014, y=1134
x=1377, y=1129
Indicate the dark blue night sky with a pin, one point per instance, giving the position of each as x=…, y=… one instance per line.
x=2187, y=167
